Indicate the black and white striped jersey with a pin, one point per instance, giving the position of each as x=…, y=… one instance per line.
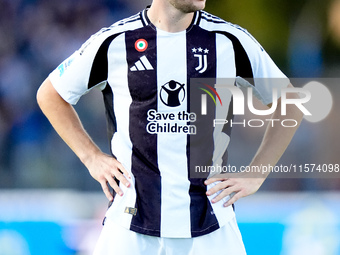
x=154, y=113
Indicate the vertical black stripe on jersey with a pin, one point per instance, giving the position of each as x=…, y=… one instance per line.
x=110, y=119
x=203, y=221
x=144, y=166
x=242, y=62
x=227, y=130
x=244, y=70
x=109, y=111
x=99, y=70
x=99, y=74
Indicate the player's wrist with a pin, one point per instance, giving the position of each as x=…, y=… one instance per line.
x=89, y=155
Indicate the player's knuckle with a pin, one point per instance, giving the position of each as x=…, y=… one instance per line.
x=113, y=183
x=105, y=188
x=119, y=175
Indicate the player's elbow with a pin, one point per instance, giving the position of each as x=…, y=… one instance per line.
x=42, y=94
x=39, y=95
x=46, y=95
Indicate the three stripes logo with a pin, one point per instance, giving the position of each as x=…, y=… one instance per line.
x=212, y=93
x=141, y=65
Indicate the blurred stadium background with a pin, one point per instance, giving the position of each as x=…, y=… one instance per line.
x=49, y=204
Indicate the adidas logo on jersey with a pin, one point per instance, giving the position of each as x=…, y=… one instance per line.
x=141, y=65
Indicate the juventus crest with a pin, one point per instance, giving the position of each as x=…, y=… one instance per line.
x=202, y=56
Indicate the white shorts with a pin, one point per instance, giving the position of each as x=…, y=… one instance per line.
x=116, y=240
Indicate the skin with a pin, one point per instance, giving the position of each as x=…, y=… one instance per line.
x=174, y=15
x=66, y=122
x=170, y=16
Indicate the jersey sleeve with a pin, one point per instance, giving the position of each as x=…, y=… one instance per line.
x=266, y=74
x=71, y=78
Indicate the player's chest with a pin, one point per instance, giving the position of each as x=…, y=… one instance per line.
x=148, y=60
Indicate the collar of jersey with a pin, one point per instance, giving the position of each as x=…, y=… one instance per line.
x=147, y=22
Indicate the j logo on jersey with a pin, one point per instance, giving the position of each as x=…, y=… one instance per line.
x=202, y=55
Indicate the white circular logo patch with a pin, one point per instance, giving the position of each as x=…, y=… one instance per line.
x=141, y=45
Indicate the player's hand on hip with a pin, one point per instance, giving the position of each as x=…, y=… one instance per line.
x=236, y=188
x=106, y=169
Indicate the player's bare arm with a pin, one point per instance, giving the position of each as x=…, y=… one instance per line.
x=274, y=143
x=102, y=167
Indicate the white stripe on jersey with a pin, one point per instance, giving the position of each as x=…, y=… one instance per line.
x=221, y=140
x=171, y=51
x=223, y=47
x=121, y=100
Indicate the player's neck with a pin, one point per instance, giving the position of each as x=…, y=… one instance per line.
x=168, y=18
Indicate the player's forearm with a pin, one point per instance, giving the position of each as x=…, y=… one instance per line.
x=276, y=139
x=65, y=121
